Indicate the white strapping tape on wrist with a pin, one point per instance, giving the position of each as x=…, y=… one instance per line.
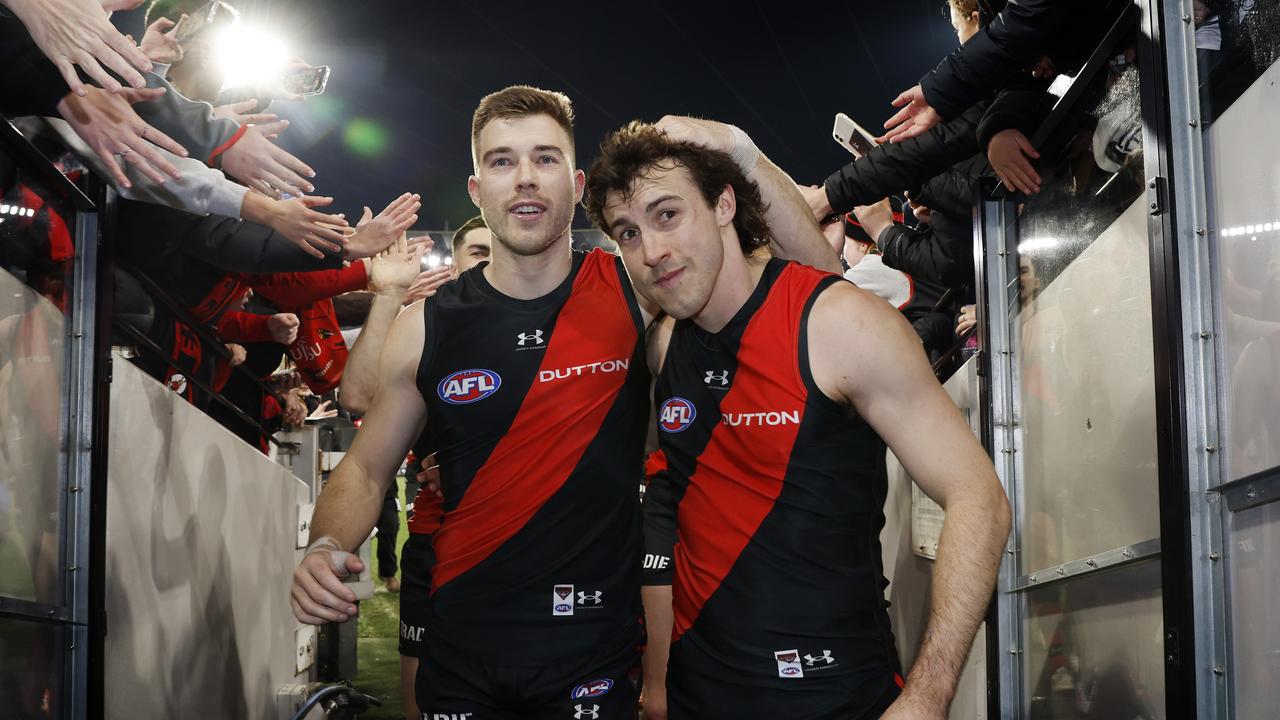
x=744, y=152
x=337, y=556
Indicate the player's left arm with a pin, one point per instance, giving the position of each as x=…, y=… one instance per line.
x=864, y=353
x=794, y=233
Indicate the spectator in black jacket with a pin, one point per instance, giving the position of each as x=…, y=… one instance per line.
x=1013, y=42
x=894, y=168
x=920, y=301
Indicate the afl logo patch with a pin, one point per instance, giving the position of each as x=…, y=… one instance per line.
x=595, y=688
x=468, y=386
x=676, y=415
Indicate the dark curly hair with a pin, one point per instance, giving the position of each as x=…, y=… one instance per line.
x=639, y=148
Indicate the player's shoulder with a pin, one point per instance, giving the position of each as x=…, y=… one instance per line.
x=844, y=314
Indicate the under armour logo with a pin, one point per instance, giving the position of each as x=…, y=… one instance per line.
x=535, y=337
x=719, y=378
x=585, y=598
x=581, y=711
x=824, y=657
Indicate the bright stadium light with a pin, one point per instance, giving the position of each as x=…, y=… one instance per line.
x=249, y=55
x=433, y=260
x=448, y=259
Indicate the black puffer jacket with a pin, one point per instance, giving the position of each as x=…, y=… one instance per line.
x=944, y=257
x=157, y=237
x=1024, y=31
x=892, y=168
x=906, y=166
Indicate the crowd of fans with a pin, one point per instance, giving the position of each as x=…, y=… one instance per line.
x=220, y=219
x=230, y=261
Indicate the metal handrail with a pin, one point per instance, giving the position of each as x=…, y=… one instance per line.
x=13, y=141
x=202, y=329
x=144, y=341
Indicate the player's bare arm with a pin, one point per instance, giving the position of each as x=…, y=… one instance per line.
x=347, y=509
x=863, y=353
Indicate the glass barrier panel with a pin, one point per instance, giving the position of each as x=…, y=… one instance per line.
x=31, y=657
x=1094, y=647
x=1255, y=609
x=1237, y=46
x=1081, y=329
x=36, y=259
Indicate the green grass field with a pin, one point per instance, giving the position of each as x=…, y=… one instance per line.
x=378, y=632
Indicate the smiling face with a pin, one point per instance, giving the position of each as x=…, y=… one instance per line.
x=673, y=242
x=525, y=184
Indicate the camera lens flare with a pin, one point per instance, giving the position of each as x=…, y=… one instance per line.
x=249, y=55
x=366, y=138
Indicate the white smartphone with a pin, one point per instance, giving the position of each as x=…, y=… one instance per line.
x=851, y=136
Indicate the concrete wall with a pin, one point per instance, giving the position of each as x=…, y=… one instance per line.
x=201, y=534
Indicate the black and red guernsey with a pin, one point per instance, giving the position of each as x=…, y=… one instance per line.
x=536, y=412
x=778, y=493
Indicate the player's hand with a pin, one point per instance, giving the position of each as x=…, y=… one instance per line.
x=427, y=282
x=283, y=328
x=260, y=164
x=77, y=32
x=707, y=133
x=429, y=476
x=375, y=234
x=108, y=124
x=318, y=595
x=240, y=112
x=160, y=41
x=1008, y=153
x=395, y=269
x=915, y=117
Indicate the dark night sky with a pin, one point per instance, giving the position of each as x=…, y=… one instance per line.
x=411, y=74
